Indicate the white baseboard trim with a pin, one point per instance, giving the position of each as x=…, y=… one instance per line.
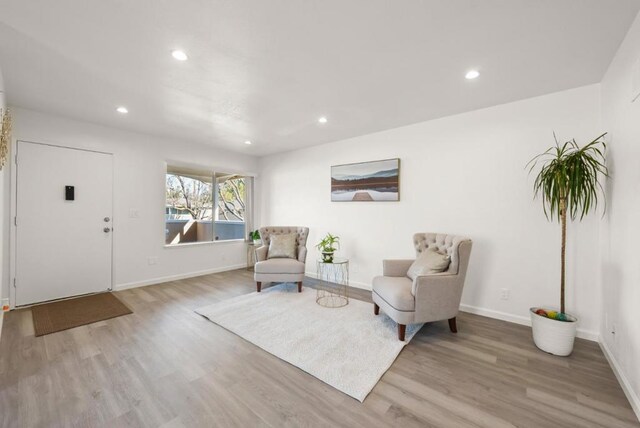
x=170, y=278
x=354, y=284
x=3, y=303
x=504, y=316
x=360, y=285
x=489, y=313
x=518, y=319
x=633, y=398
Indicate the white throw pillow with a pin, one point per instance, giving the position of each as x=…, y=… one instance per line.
x=431, y=261
x=282, y=246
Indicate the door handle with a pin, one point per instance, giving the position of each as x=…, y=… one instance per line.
x=106, y=230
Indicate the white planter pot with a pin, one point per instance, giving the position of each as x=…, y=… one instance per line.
x=257, y=242
x=553, y=336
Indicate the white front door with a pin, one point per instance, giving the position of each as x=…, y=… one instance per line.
x=63, y=223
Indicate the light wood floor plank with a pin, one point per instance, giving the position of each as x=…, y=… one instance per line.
x=166, y=366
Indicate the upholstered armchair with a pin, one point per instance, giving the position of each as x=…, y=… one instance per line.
x=281, y=269
x=429, y=296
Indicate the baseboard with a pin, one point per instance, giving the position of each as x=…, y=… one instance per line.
x=518, y=319
x=360, y=285
x=490, y=313
x=633, y=398
x=3, y=303
x=170, y=278
x=354, y=284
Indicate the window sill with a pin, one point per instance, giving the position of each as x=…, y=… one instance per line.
x=198, y=244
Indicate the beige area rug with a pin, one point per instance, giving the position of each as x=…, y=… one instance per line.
x=65, y=314
x=348, y=348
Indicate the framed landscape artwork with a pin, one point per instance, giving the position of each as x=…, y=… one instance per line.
x=366, y=181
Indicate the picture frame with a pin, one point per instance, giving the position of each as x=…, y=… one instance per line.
x=371, y=181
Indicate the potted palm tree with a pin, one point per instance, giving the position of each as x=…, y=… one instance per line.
x=568, y=184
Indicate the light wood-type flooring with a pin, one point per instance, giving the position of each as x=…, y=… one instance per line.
x=165, y=366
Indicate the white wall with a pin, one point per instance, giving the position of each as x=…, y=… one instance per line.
x=463, y=174
x=620, y=233
x=4, y=206
x=139, y=176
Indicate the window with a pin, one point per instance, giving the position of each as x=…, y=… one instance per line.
x=204, y=206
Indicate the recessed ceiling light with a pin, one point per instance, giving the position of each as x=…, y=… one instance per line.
x=248, y=143
x=322, y=120
x=472, y=74
x=179, y=55
x=122, y=110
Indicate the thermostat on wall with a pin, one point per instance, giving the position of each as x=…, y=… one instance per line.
x=69, y=193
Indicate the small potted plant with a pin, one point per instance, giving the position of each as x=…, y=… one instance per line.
x=328, y=246
x=568, y=184
x=255, y=237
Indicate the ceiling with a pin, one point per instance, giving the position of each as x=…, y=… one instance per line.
x=265, y=71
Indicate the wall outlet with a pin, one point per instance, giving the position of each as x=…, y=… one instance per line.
x=152, y=260
x=504, y=293
x=134, y=213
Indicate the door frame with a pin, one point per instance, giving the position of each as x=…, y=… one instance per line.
x=13, y=204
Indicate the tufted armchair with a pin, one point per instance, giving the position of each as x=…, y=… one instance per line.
x=281, y=269
x=430, y=297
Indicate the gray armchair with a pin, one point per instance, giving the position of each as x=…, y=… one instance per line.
x=430, y=297
x=281, y=269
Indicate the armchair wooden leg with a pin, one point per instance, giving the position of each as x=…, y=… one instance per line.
x=300, y=287
x=401, y=329
x=376, y=309
x=452, y=325
x=259, y=286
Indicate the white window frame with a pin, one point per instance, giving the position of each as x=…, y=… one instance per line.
x=172, y=167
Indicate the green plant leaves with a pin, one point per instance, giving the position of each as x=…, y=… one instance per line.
x=570, y=173
x=328, y=242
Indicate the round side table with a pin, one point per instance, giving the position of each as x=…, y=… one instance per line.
x=332, y=291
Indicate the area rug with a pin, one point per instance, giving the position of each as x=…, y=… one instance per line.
x=348, y=348
x=65, y=314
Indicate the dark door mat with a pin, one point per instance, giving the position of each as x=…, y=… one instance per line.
x=65, y=314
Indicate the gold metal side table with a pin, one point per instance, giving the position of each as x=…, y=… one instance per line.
x=332, y=291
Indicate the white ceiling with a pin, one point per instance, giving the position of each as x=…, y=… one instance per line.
x=266, y=70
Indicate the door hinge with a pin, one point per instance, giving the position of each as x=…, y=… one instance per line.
x=14, y=283
x=15, y=220
x=16, y=157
